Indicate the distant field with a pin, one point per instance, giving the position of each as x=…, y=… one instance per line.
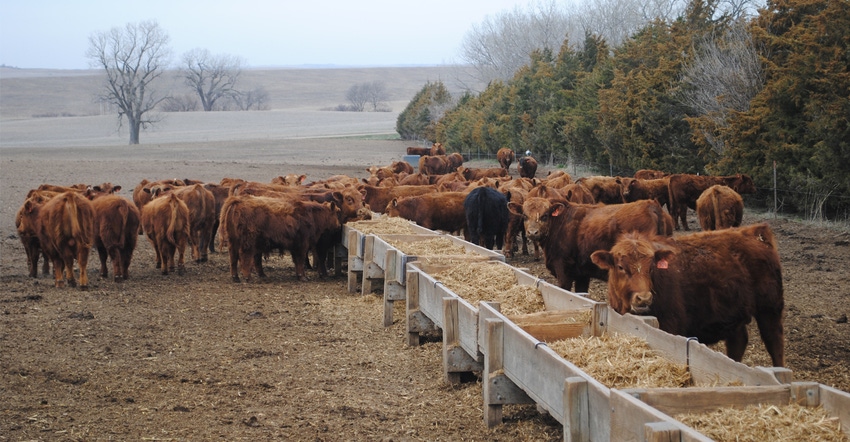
x=57, y=108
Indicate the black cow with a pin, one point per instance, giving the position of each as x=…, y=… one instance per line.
x=486, y=217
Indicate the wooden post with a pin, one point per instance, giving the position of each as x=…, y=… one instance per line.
x=576, y=410
x=394, y=290
x=661, y=432
x=355, y=263
x=493, y=362
x=455, y=359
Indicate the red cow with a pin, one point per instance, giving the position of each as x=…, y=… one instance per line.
x=378, y=197
x=570, y=232
x=576, y=193
x=472, y=173
x=255, y=226
x=708, y=285
x=25, y=223
x=64, y=227
x=116, y=227
x=605, y=189
x=648, y=189
x=435, y=211
x=686, y=188
x=220, y=193
x=650, y=174
x=292, y=179
x=415, y=179
x=515, y=225
x=558, y=179
x=166, y=223
x=437, y=149
x=421, y=151
x=455, y=160
x=527, y=167
x=434, y=165
x=399, y=167
x=201, y=205
x=506, y=157
x=719, y=207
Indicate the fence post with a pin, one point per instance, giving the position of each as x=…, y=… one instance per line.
x=775, y=201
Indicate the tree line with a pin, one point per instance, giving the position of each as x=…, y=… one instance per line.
x=711, y=91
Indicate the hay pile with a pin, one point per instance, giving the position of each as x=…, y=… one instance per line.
x=756, y=423
x=488, y=281
x=622, y=361
x=384, y=225
x=430, y=247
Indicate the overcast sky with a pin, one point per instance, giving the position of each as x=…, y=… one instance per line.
x=54, y=34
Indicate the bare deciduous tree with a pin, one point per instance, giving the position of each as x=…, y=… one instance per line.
x=255, y=99
x=212, y=77
x=722, y=78
x=372, y=92
x=377, y=94
x=133, y=57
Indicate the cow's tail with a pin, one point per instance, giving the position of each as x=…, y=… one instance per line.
x=172, y=224
x=224, y=218
x=72, y=212
x=715, y=205
x=124, y=212
x=201, y=192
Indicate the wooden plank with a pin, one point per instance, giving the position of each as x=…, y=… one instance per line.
x=576, y=411
x=837, y=403
x=455, y=359
x=661, y=432
x=707, y=366
x=551, y=326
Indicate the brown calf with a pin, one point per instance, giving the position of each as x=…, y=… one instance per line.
x=165, y=221
x=719, y=207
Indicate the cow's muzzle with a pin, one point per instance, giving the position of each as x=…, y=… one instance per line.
x=641, y=301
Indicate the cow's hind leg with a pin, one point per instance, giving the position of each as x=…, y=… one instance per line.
x=736, y=343
x=58, y=272
x=102, y=254
x=771, y=331
x=83, y=261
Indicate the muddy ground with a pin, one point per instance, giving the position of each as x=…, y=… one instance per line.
x=197, y=357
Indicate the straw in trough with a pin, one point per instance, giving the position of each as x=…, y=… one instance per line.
x=756, y=423
x=489, y=281
x=384, y=225
x=430, y=247
x=620, y=360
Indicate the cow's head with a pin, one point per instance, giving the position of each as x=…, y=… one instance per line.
x=350, y=201
x=630, y=265
x=537, y=214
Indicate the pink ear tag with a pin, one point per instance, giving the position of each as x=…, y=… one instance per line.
x=662, y=264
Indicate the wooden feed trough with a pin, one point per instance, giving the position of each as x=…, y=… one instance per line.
x=354, y=236
x=431, y=305
x=651, y=415
x=385, y=258
x=521, y=368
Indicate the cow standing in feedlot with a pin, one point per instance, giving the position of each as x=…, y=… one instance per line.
x=486, y=217
x=505, y=157
x=255, y=225
x=64, y=227
x=116, y=227
x=708, y=285
x=719, y=207
x=165, y=221
x=435, y=211
x=685, y=189
x=569, y=233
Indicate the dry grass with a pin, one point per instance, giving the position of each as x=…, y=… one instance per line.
x=757, y=423
x=622, y=361
x=487, y=281
x=383, y=226
x=430, y=247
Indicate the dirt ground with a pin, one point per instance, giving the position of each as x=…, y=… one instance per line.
x=197, y=357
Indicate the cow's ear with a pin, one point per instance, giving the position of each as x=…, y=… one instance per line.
x=146, y=189
x=301, y=179
x=603, y=259
x=29, y=206
x=515, y=208
x=662, y=258
x=394, y=202
x=116, y=189
x=557, y=209
x=338, y=196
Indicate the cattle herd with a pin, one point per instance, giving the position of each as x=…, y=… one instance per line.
x=608, y=228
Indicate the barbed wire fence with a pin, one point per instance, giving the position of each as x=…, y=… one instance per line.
x=809, y=204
